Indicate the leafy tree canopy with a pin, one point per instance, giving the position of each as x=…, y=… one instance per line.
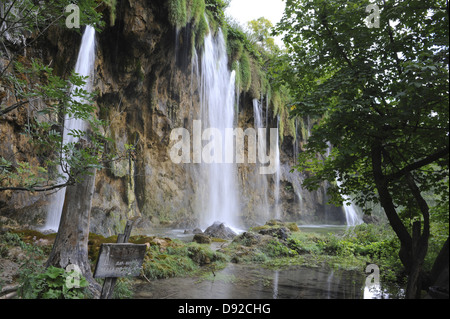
x=375, y=76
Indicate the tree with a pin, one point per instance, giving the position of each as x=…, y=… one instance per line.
x=27, y=81
x=381, y=97
x=260, y=31
x=71, y=243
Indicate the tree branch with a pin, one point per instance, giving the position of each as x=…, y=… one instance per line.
x=409, y=168
x=13, y=107
x=38, y=189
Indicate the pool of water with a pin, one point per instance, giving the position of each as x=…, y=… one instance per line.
x=250, y=282
x=323, y=229
x=238, y=281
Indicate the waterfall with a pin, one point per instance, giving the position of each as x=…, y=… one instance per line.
x=277, y=174
x=350, y=209
x=262, y=187
x=84, y=66
x=217, y=89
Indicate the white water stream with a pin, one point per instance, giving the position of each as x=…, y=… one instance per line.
x=84, y=66
x=217, y=89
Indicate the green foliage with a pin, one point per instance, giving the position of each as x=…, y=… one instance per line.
x=31, y=16
x=182, y=12
x=178, y=13
x=275, y=248
x=201, y=31
x=379, y=97
x=261, y=33
x=34, y=84
x=179, y=260
x=123, y=288
x=54, y=283
x=216, y=10
x=112, y=10
x=35, y=282
x=355, y=79
x=245, y=72
x=302, y=246
x=196, y=10
x=33, y=81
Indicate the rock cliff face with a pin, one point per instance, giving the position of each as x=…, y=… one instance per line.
x=146, y=88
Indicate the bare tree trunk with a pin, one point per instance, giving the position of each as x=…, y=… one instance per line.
x=71, y=243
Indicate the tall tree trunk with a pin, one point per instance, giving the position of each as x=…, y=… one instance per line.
x=420, y=242
x=413, y=248
x=387, y=203
x=71, y=243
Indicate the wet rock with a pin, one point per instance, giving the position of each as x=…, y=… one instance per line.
x=219, y=230
x=371, y=219
x=202, y=239
x=197, y=231
x=280, y=233
x=248, y=239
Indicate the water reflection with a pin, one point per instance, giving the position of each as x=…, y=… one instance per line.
x=239, y=281
x=248, y=282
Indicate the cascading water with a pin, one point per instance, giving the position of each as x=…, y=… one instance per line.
x=262, y=187
x=84, y=66
x=351, y=213
x=217, y=89
x=261, y=122
x=277, y=174
x=350, y=209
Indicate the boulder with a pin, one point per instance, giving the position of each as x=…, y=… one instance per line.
x=219, y=230
x=202, y=239
x=248, y=239
x=197, y=231
x=280, y=233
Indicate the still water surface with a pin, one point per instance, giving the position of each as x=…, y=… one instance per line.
x=238, y=281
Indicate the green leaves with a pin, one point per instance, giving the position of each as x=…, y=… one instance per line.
x=58, y=99
x=366, y=85
x=56, y=283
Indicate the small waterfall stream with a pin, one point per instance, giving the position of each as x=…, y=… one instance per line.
x=84, y=66
x=277, y=175
x=262, y=187
x=351, y=211
x=262, y=123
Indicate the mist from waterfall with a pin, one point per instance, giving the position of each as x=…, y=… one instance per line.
x=217, y=98
x=84, y=67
